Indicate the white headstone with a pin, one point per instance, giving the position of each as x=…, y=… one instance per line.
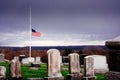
x=31, y=59
x=88, y=66
x=28, y=60
x=74, y=63
x=25, y=61
x=100, y=64
x=37, y=60
x=2, y=72
x=54, y=63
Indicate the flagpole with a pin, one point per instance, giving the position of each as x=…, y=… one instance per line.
x=30, y=35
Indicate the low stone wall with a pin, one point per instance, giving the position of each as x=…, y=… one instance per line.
x=111, y=75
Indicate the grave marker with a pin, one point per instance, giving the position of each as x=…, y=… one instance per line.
x=89, y=68
x=15, y=69
x=2, y=72
x=2, y=57
x=74, y=67
x=53, y=65
x=100, y=64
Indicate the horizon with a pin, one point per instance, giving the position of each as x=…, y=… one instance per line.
x=54, y=46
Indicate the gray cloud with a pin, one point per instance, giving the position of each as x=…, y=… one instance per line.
x=59, y=17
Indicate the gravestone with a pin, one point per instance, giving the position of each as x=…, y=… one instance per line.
x=38, y=60
x=2, y=57
x=74, y=67
x=15, y=69
x=114, y=55
x=89, y=68
x=100, y=64
x=18, y=69
x=25, y=61
x=2, y=72
x=31, y=59
x=12, y=69
x=114, y=60
x=28, y=60
x=53, y=65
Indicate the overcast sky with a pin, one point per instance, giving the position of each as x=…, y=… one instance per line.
x=61, y=22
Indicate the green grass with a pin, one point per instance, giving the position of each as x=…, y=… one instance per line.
x=28, y=73
x=100, y=76
x=41, y=72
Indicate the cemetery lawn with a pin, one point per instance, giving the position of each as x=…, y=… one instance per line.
x=40, y=72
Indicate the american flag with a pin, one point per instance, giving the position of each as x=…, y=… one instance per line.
x=35, y=33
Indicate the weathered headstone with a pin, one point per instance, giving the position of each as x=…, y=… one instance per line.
x=12, y=69
x=18, y=69
x=38, y=60
x=100, y=64
x=74, y=63
x=2, y=72
x=114, y=55
x=2, y=57
x=74, y=67
x=15, y=69
x=54, y=69
x=89, y=68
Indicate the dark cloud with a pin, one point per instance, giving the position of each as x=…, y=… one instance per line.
x=76, y=5
x=14, y=15
x=77, y=16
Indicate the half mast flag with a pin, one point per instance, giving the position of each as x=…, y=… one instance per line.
x=35, y=33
